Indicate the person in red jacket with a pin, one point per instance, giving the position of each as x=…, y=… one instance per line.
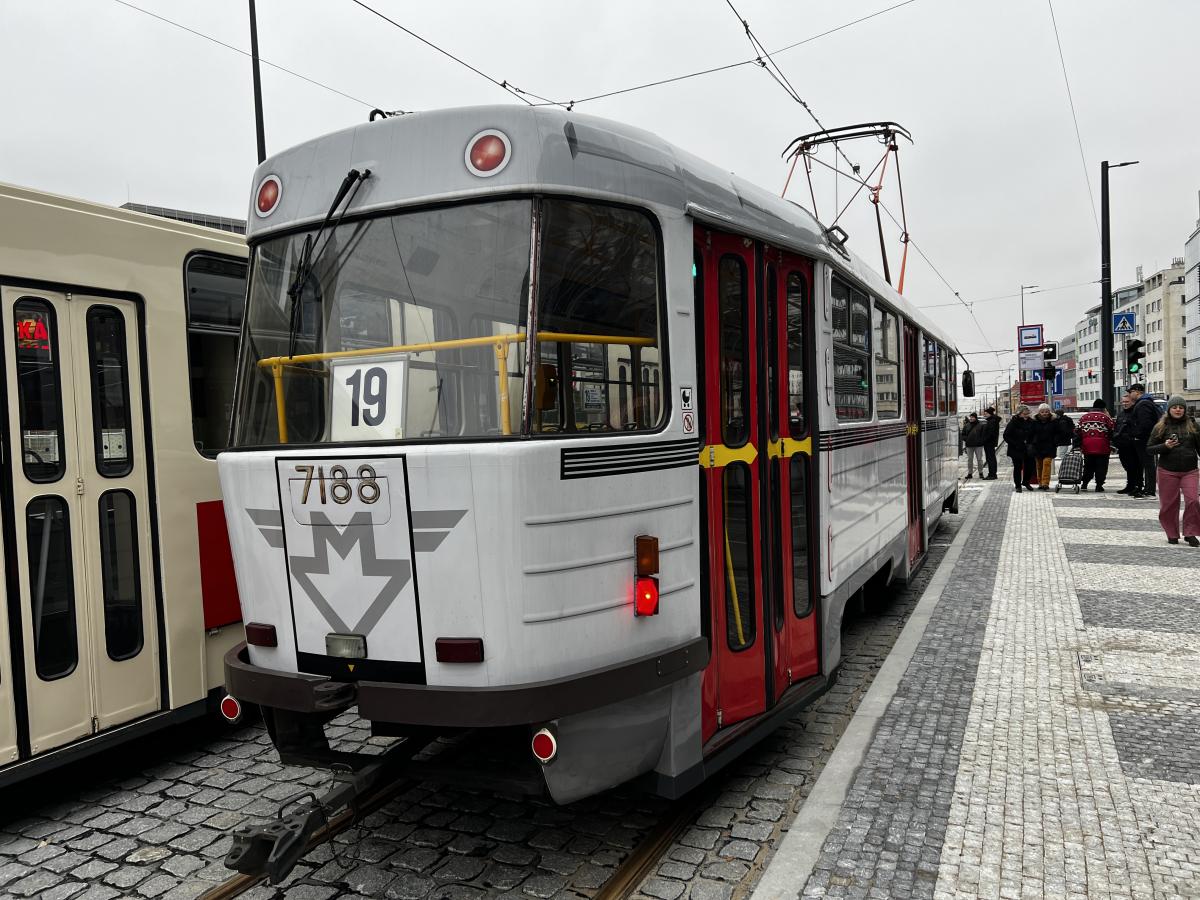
x=1094, y=431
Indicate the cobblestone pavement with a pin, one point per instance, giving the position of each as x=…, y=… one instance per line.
x=156, y=824
x=1045, y=739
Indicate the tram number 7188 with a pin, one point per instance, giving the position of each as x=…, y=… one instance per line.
x=339, y=490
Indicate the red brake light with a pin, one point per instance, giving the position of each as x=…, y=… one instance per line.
x=645, y=597
x=488, y=153
x=270, y=189
x=544, y=746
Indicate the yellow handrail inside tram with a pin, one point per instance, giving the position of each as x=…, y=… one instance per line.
x=277, y=364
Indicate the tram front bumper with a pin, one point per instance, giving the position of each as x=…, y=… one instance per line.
x=463, y=707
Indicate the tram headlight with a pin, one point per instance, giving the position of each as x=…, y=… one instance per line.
x=347, y=646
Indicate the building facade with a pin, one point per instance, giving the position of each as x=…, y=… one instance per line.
x=1087, y=358
x=1191, y=316
x=1068, y=399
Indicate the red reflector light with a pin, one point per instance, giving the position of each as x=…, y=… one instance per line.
x=545, y=747
x=261, y=635
x=267, y=198
x=645, y=596
x=487, y=153
x=230, y=708
x=459, y=650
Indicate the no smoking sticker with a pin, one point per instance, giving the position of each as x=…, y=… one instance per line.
x=689, y=423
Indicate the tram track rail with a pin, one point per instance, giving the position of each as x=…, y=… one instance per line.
x=623, y=883
x=239, y=884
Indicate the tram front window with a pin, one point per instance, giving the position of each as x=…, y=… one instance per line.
x=413, y=327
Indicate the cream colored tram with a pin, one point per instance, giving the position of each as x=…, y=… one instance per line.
x=118, y=334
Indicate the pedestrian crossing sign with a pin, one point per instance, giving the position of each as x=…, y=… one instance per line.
x=1124, y=323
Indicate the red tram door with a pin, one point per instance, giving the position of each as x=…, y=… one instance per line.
x=790, y=475
x=912, y=413
x=756, y=461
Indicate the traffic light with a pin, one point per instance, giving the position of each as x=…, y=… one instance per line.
x=1134, y=356
x=1048, y=373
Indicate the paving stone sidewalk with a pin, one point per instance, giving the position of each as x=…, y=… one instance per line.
x=1045, y=738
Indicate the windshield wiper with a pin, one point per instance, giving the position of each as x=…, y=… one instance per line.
x=308, y=259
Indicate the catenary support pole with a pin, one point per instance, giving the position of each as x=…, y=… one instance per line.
x=1106, y=337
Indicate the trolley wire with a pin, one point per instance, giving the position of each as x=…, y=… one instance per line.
x=246, y=53
x=1060, y=287
x=1074, y=118
x=569, y=104
x=502, y=84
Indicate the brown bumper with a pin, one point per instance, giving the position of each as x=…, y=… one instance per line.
x=463, y=707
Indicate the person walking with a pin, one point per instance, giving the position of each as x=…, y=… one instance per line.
x=974, y=433
x=1018, y=435
x=1045, y=445
x=1095, y=430
x=991, y=440
x=1145, y=416
x=1175, y=440
x=1123, y=440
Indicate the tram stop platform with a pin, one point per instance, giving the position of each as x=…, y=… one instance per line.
x=1036, y=730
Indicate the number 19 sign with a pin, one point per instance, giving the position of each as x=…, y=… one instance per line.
x=368, y=398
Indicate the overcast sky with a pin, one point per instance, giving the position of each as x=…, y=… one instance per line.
x=107, y=103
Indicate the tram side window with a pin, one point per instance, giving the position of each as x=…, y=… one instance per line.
x=851, y=353
x=39, y=392
x=216, y=297
x=952, y=382
x=930, y=378
x=887, y=363
x=797, y=302
x=599, y=277
x=51, y=587
x=110, y=391
x=943, y=383
x=801, y=596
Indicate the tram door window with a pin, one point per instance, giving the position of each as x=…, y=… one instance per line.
x=83, y=599
x=789, y=467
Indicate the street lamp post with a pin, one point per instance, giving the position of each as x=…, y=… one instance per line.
x=1024, y=288
x=1107, y=386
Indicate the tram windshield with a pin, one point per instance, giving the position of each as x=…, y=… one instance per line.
x=414, y=326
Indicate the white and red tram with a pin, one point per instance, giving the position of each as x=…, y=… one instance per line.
x=546, y=426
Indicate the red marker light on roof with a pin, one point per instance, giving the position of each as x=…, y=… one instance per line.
x=488, y=153
x=645, y=597
x=270, y=189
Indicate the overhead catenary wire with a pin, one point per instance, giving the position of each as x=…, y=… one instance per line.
x=734, y=65
x=502, y=84
x=1074, y=118
x=246, y=53
x=1060, y=287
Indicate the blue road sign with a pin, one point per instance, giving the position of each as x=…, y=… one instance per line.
x=1124, y=323
x=1058, y=381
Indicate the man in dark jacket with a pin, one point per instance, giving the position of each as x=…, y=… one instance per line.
x=1122, y=439
x=991, y=440
x=1144, y=417
x=972, y=436
x=1018, y=434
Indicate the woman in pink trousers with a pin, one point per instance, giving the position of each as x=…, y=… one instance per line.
x=1175, y=440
